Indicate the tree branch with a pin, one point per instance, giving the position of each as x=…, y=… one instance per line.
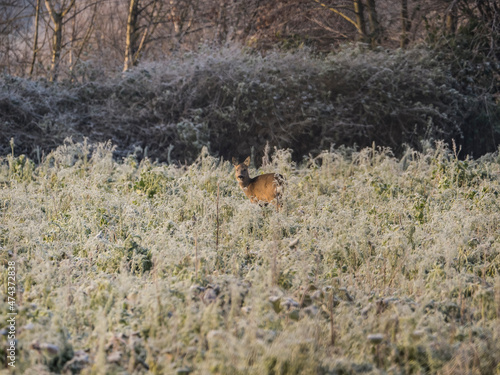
x=347, y=18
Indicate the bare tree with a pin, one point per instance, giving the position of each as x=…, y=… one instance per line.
x=57, y=12
x=405, y=23
x=116, y=35
x=140, y=29
x=452, y=18
x=13, y=16
x=360, y=18
x=35, y=36
x=181, y=16
x=375, y=28
x=132, y=36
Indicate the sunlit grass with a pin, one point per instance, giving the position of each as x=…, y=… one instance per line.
x=118, y=267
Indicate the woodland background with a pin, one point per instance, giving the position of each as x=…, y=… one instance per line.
x=174, y=76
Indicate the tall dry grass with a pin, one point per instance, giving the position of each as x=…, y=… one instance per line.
x=376, y=264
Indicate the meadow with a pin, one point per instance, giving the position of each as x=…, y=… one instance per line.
x=376, y=264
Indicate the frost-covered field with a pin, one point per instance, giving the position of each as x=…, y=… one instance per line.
x=374, y=265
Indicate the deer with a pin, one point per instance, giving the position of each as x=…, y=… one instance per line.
x=266, y=188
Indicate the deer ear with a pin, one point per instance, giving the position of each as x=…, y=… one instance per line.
x=235, y=161
x=247, y=161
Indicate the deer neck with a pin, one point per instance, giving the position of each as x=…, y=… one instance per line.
x=245, y=183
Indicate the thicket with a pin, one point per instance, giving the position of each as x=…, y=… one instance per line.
x=232, y=100
x=376, y=264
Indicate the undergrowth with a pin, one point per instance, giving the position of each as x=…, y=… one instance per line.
x=375, y=264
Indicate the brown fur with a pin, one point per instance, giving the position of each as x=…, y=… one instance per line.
x=264, y=188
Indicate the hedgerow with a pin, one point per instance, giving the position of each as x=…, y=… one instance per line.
x=233, y=101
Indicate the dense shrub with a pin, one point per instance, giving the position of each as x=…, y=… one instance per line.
x=232, y=101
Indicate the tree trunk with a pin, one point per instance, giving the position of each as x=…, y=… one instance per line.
x=375, y=29
x=35, y=37
x=451, y=19
x=360, y=19
x=135, y=42
x=57, y=18
x=131, y=37
x=405, y=24
x=56, y=47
